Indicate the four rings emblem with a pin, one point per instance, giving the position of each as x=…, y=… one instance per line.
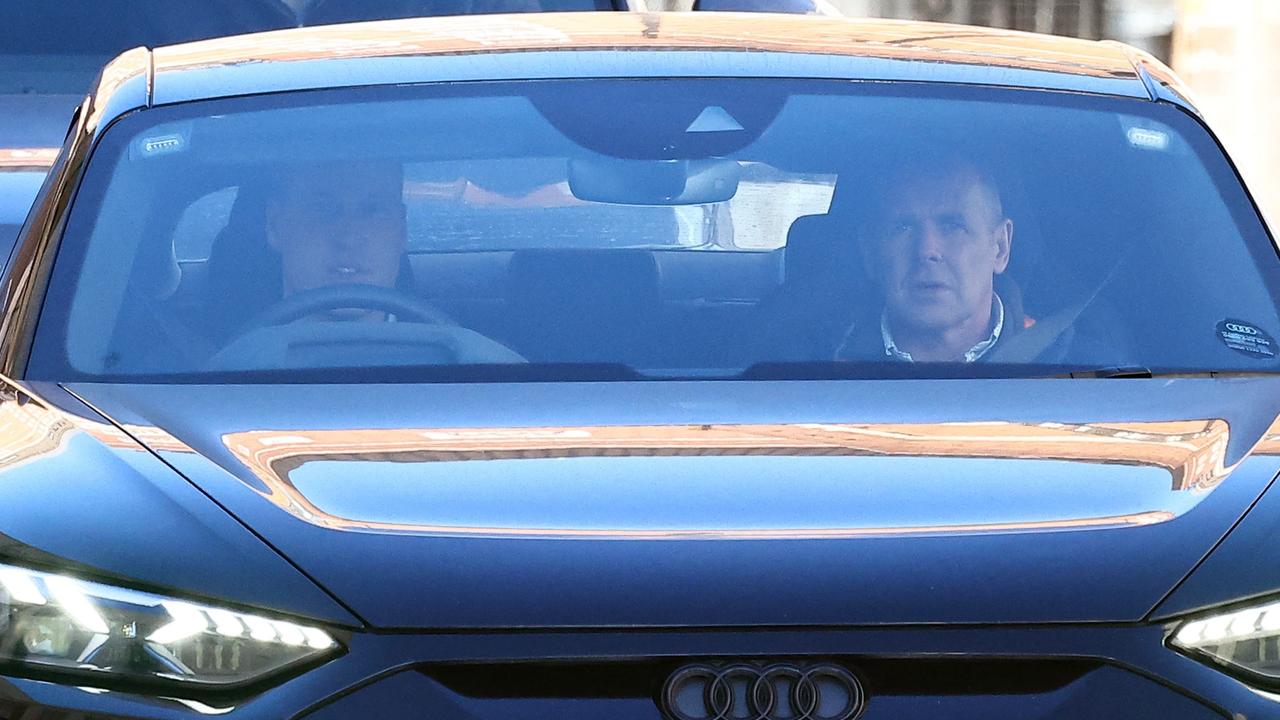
x=780, y=691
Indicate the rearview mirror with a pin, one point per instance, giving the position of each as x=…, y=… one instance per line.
x=654, y=182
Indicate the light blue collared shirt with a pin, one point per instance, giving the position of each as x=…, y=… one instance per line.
x=892, y=350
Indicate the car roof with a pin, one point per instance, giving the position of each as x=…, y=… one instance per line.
x=560, y=45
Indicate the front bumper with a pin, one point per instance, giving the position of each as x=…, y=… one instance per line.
x=1029, y=673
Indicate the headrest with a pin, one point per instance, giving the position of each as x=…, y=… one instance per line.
x=579, y=278
x=821, y=247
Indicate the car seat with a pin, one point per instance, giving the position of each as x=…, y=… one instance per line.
x=583, y=305
x=824, y=286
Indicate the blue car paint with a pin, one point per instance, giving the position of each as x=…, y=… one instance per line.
x=135, y=521
x=568, y=577
x=653, y=614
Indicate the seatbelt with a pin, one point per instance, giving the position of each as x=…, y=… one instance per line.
x=1031, y=344
x=1034, y=341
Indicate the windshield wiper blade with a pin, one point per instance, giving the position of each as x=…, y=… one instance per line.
x=1118, y=371
x=841, y=370
x=1137, y=371
x=893, y=370
x=405, y=374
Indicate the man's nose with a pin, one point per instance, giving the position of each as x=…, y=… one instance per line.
x=929, y=243
x=347, y=229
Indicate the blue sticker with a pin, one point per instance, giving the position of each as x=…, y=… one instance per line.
x=1247, y=338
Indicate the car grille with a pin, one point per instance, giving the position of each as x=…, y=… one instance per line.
x=895, y=689
x=645, y=678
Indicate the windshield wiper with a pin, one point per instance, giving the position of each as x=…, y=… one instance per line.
x=894, y=370
x=407, y=374
x=1119, y=371
x=1137, y=371
x=887, y=370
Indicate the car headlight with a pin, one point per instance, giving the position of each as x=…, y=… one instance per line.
x=1246, y=640
x=54, y=622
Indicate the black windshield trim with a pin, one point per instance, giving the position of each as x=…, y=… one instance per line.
x=615, y=373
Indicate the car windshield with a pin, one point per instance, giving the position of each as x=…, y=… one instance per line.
x=656, y=229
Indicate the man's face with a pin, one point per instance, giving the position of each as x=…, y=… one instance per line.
x=339, y=223
x=940, y=241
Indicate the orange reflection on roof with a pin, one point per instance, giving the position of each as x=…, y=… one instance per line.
x=930, y=42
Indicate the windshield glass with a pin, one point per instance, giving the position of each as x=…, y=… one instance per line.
x=620, y=229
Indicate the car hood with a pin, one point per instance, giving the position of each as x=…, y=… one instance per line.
x=713, y=503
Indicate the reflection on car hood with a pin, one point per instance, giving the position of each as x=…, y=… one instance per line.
x=670, y=504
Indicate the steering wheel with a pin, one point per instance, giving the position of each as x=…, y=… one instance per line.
x=423, y=334
x=333, y=297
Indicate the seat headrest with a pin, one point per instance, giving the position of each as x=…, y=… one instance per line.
x=821, y=247
x=583, y=278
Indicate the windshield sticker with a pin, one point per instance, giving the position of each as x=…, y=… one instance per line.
x=162, y=145
x=1148, y=139
x=1246, y=338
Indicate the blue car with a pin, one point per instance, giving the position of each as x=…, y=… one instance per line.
x=618, y=365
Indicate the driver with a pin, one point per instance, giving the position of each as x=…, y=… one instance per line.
x=934, y=250
x=338, y=223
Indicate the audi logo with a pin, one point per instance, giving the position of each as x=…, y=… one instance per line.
x=781, y=691
x=1242, y=329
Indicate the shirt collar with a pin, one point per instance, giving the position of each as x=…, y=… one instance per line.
x=974, y=353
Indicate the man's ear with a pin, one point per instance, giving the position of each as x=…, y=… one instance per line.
x=1004, y=244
